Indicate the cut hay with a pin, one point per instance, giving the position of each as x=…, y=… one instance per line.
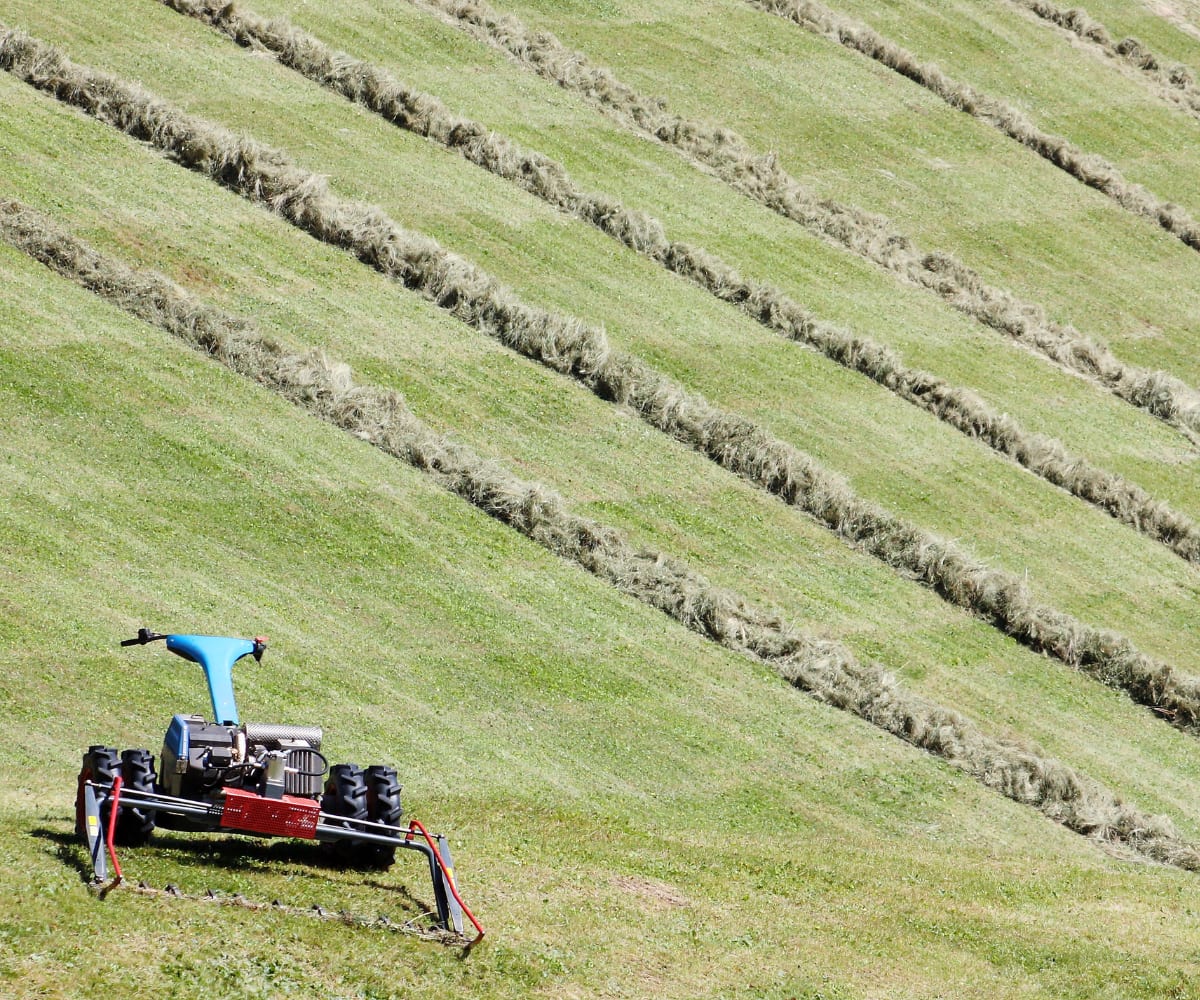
x=569, y=346
x=870, y=236
x=425, y=115
x=826, y=670
x=1173, y=82
x=1087, y=168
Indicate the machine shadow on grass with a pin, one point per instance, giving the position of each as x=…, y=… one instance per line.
x=238, y=854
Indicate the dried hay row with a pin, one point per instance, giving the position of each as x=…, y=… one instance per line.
x=569, y=346
x=824, y=669
x=425, y=115
x=872, y=237
x=1088, y=168
x=1173, y=82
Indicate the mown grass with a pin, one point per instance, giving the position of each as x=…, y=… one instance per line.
x=1171, y=81
x=1026, y=227
x=938, y=650
x=832, y=283
x=582, y=352
x=697, y=357
x=417, y=631
x=826, y=670
x=1101, y=110
x=1171, y=31
x=567, y=738
x=423, y=114
x=826, y=274
x=889, y=654
x=1087, y=166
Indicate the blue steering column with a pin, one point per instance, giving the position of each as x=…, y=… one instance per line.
x=216, y=656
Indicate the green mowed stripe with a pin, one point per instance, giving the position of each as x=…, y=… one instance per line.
x=1173, y=32
x=945, y=650
x=1044, y=399
x=1065, y=89
x=885, y=145
x=700, y=209
x=1084, y=164
x=627, y=804
x=855, y=433
x=1170, y=81
x=422, y=114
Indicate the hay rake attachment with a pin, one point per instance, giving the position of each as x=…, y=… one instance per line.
x=262, y=780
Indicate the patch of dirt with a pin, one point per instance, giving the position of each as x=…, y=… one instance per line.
x=658, y=893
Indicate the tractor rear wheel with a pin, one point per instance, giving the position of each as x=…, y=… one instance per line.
x=383, y=806
x=346, y=795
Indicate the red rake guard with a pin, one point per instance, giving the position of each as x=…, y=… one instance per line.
x=110, y=834
x=286, y=817
x=448, y=872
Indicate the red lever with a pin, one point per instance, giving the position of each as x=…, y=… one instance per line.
x=450, y=880
x=114, y=804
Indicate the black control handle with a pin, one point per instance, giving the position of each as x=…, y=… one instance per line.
x=144, y=636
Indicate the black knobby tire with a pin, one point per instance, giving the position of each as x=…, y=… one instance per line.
x=346, y=795
x=135, y=826
x=136, y=768
x=100, y=764
x=383, y=806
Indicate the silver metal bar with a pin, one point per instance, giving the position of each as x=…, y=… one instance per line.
x=345, y=828
x=155, y=802
x=393, y=838
x=95, y=835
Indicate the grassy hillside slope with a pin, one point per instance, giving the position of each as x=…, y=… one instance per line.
x=581, y=784
x=888, y=145
x=633, y=810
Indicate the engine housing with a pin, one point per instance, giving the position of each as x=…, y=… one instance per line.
x=200, y=757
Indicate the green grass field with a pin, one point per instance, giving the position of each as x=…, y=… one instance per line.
x=634, y=811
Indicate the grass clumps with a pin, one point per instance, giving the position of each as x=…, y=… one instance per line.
x=826, y=670
x=870, y=236
x=546, y=179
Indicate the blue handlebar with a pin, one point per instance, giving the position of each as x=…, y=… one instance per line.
x=216, y=656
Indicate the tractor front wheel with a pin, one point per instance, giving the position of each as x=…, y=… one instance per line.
x=134, y=826
x=100, y=765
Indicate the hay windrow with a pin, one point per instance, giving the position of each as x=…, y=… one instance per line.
x=824, y=669
x=425, y=115
x=1087, y=168
x=266, y=176
x=759, y=176
x=1173, y=82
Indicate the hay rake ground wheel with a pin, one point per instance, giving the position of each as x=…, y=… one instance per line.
x=346, y=795
x=135, y=826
